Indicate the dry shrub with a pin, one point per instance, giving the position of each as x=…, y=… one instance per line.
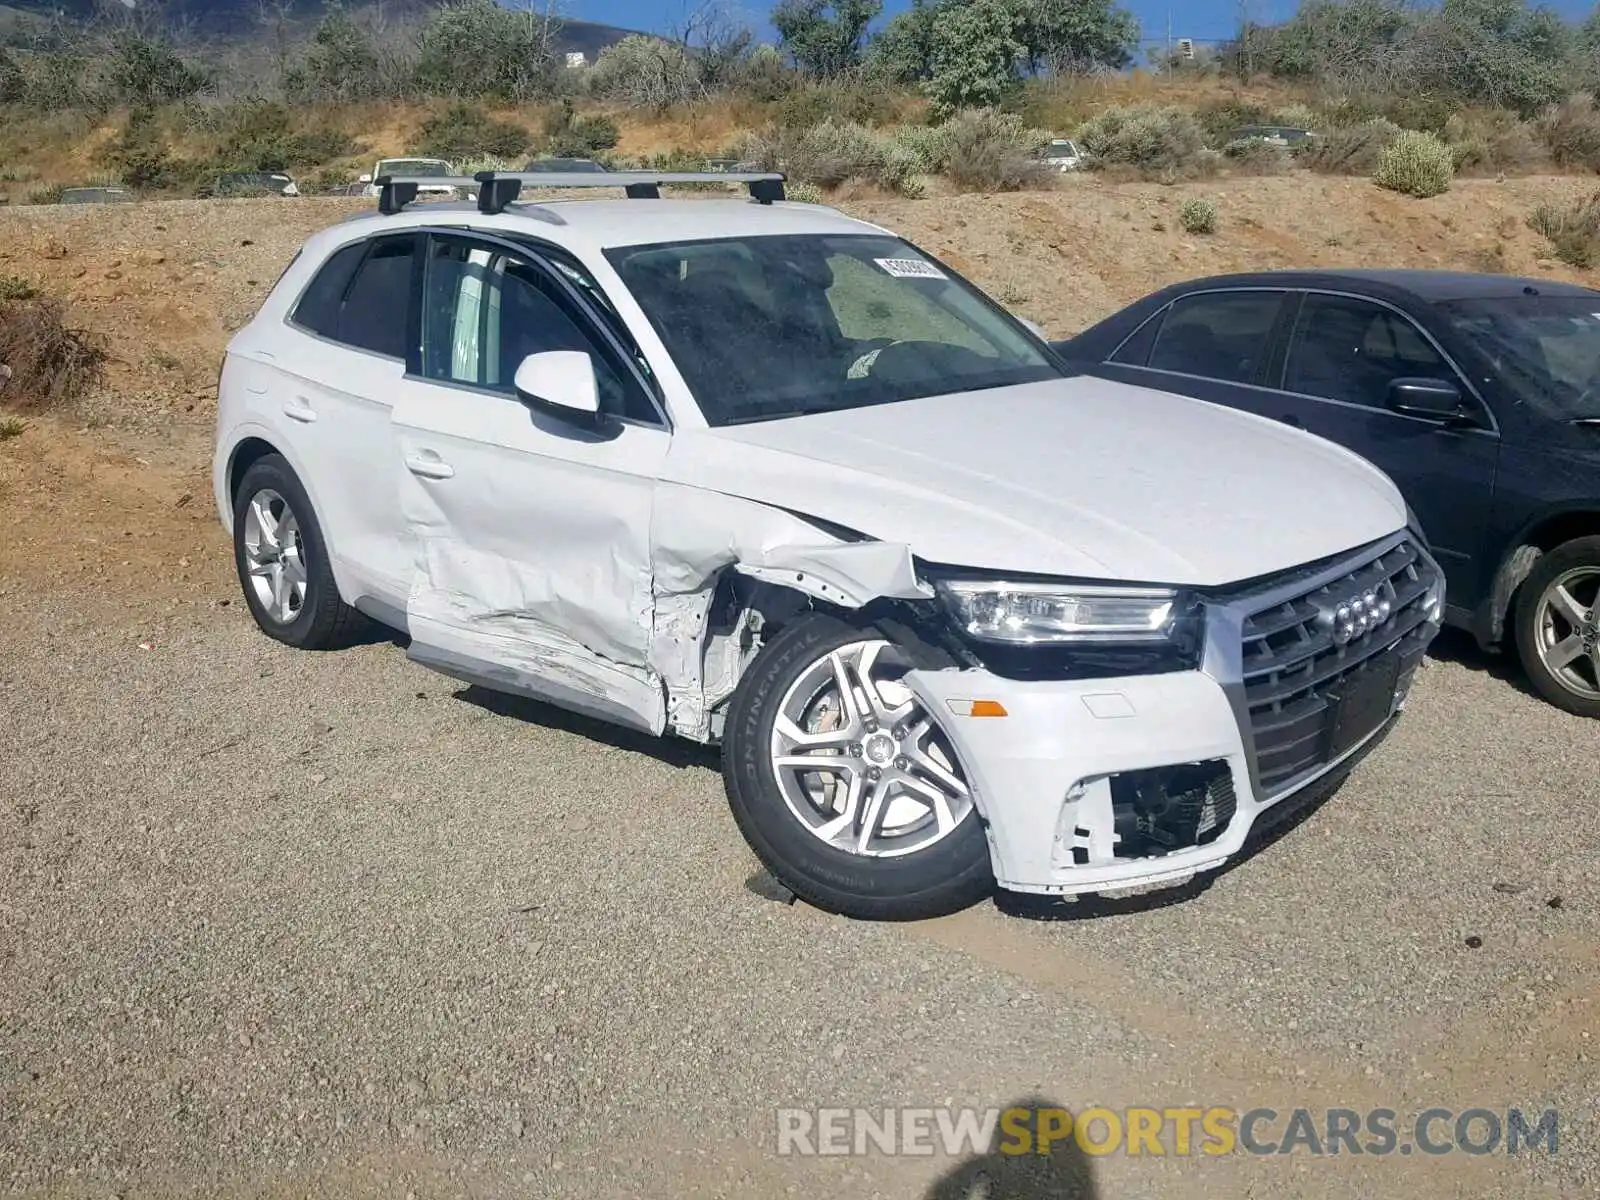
x=1573, y=231
x=1158, y=141
x=1351, y=150
x=991, y=151
x=1494, y=142
x=1254, y=156
x=52, y=364
x=1571, y=132
x=1198, y=215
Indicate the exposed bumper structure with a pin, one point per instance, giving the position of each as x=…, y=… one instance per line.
x=1109, y=784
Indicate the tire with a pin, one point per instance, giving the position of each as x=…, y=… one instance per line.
x=314, y=616
x=922, y=867
x=1545, y=625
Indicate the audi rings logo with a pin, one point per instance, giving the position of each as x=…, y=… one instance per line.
x=1352, y=618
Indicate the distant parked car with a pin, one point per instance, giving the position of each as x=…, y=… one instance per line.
x=1063, y=155
x=254, y=183
x=94, y=195
x=1275, y=135
x=564, y=165
x=1479, y=395
x=425, y=167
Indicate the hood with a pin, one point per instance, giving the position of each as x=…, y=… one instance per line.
x=1078, y=477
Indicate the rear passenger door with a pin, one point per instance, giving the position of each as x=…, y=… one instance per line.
x=1343, y=353
x=335, y=402
x=1213, y=345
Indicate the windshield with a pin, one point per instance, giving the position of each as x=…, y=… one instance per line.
x=1544, y=349
x=768, y=327
x=412, y=166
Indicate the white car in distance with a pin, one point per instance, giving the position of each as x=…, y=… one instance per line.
x=762, y=475
x=431, y=172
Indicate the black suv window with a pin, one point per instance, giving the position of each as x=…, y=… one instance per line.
x=1217, y=335
x=484, y=311
x=359, y=297
x=1349, y=349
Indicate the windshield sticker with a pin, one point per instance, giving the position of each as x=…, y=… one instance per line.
x=909, y=268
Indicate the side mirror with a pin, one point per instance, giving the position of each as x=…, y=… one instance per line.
x=365, y=178
x=562, y=382
x=1434, y=399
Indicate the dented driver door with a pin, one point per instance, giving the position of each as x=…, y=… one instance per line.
x=532, y=530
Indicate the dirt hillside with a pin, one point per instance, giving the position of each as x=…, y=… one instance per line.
x=100, y=496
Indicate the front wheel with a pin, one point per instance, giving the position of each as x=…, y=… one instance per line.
x=845, y=786
x=1558, y=626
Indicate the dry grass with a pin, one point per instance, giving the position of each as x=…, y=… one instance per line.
x=50, y=363
x=1572, y=230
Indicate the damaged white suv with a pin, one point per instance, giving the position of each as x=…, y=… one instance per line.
x=759, y=474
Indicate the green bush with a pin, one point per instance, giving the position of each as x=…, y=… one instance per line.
x=1416, y=164
x=1487, y=142
x=1297, y=116
x=803, y=193
x=1198, y=215
x=259, y=135
x=1253, y=156
x=992, y=151
x=466, y=131
x=579, y=135
x=1572, y=231
x=1221, y=119
x=645, y=72
x=1571, y=133
x=1351, y=150
x=14, y=287
x=854, y=102
x=50, y=193
x=1151, y=139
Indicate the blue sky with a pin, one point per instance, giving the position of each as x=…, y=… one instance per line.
x=1203, y=20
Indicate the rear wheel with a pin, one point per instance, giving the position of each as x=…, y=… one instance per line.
x=1558, y=626
x=283, y=562
x=847, y=789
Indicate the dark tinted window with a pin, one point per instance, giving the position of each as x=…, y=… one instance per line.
x=484, y=311
x=1545, y=349
x=1218, y=335
x=373, y=316
x=318, y=309
x=1135, y=352
x=1349, y=349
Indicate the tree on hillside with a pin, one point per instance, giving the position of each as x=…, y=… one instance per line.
x=975, y=52
x=903, y=52
x=1075, y=35
x=341, y=64
x=477, y=48
x=825, y=37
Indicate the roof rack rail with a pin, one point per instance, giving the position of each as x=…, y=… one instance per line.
x=497, y=189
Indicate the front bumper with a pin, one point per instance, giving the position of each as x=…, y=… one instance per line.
x=1064, y=781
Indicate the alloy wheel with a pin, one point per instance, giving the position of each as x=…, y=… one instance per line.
x=1567, y=628
x=274, y=553
x=861, y=764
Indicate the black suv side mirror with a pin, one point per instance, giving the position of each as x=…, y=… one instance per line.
x=1435, y=399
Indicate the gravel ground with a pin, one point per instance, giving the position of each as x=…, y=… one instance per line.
x=275, y=923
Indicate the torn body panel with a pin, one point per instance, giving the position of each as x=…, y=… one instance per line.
x=787, y=562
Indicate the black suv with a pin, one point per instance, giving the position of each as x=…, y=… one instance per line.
x=1479, y=395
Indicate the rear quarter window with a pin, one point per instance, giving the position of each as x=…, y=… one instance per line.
x=318, y=309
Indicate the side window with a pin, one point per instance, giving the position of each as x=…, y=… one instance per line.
x=318, y=309
x=1135, y=351
x=374, y=313
x=1350, y=350
x=484, y=311
x=1217, y=335
x=359, y=297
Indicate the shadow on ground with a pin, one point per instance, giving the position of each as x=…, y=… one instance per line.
x=1060, y=1172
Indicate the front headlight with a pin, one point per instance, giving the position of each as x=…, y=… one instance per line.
x=1028, y=613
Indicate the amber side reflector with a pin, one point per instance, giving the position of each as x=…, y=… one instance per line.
x=987, y=708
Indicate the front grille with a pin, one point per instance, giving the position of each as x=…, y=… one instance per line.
x=1296, y=672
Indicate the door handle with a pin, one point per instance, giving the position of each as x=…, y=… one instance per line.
x=429, y=465
x=298, y=410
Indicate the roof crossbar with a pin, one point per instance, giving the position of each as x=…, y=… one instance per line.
x=497, y=189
